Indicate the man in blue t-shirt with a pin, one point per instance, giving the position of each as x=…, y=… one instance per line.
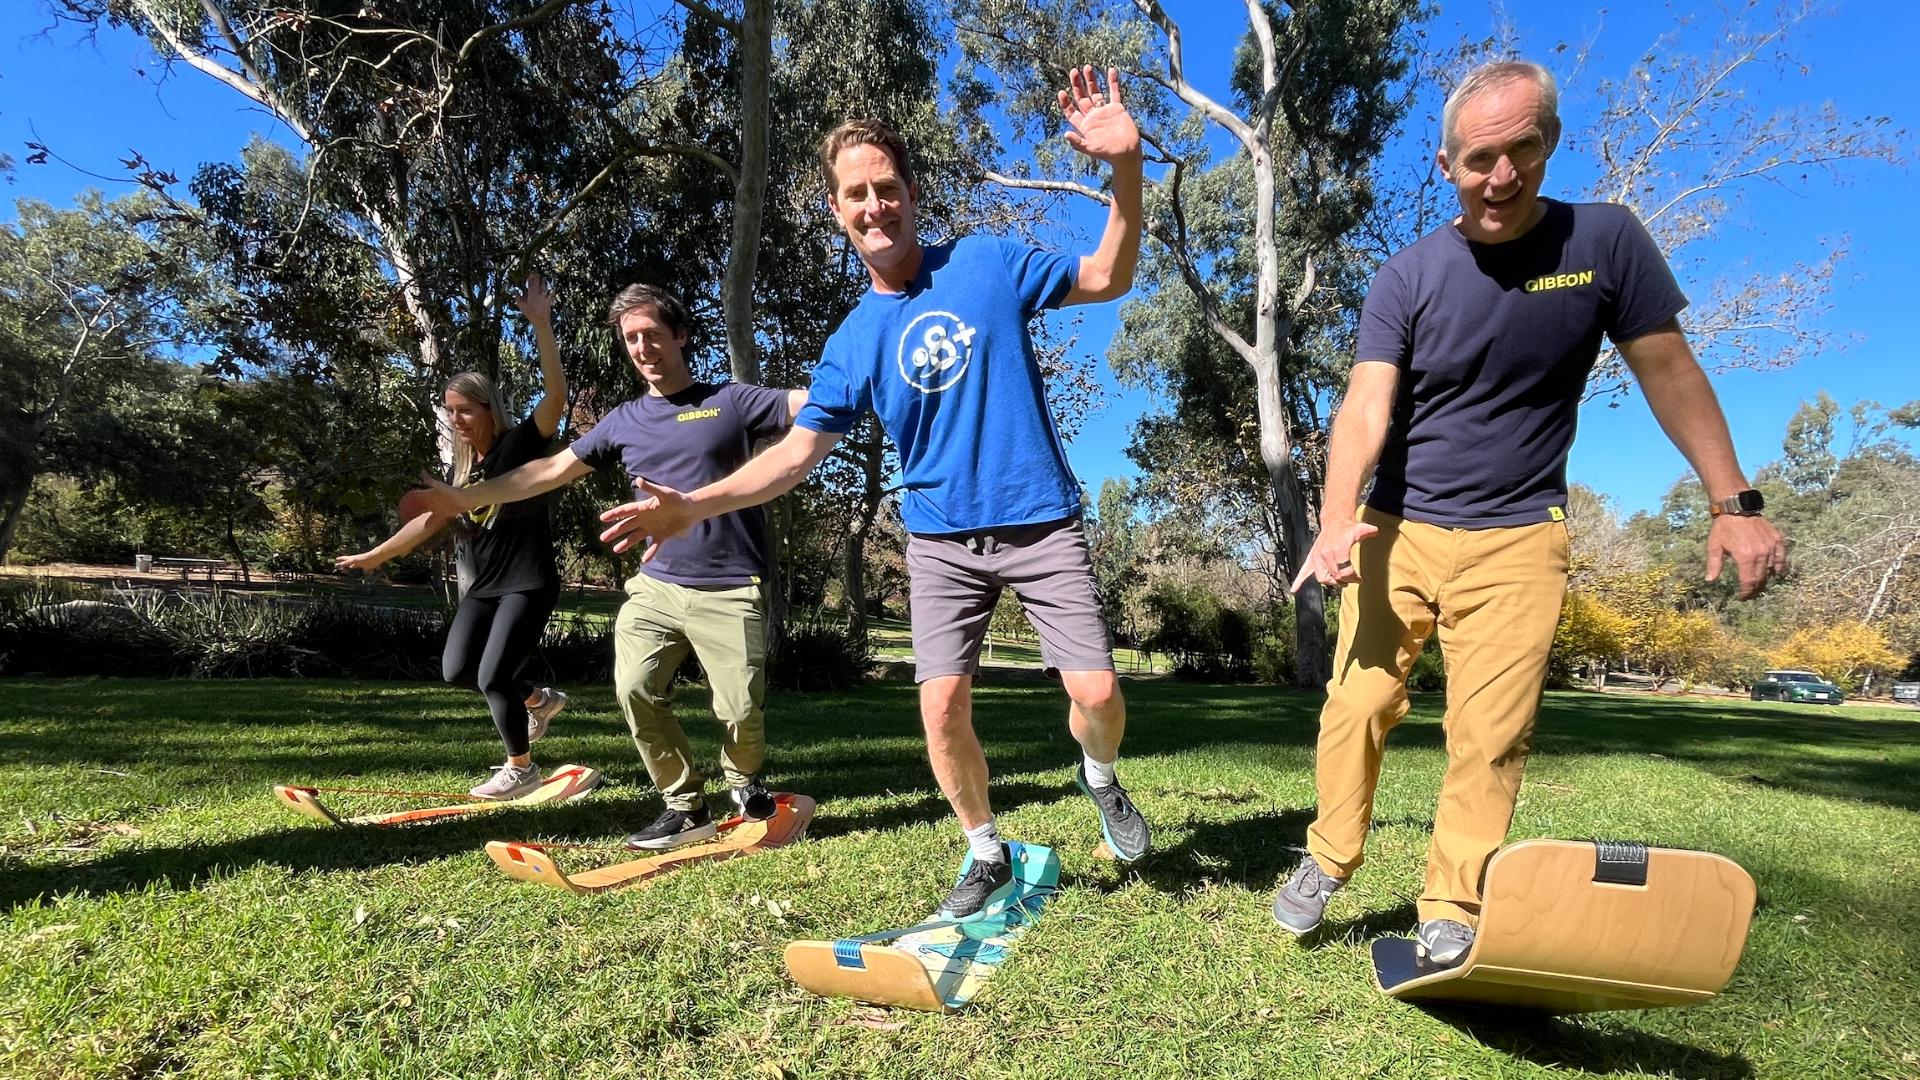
x=938, y=348
x=703, y=592
x=1474, y=348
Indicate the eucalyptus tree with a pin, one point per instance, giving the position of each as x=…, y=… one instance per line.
x=96, y=304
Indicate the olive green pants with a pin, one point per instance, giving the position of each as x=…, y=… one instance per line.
x=1493, y=595
x=725, y=626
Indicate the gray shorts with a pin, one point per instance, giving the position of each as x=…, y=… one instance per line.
x=954, y=581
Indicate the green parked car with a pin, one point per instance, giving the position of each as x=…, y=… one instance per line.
x=1796, y=686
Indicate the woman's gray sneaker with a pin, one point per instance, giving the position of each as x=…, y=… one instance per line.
x=1443, y=942
x=509, y=782
x=539, y=716
x=1300, y=905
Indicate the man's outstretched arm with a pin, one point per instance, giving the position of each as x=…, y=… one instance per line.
x=536, y=477
x=662, y=512
x=1102, y=129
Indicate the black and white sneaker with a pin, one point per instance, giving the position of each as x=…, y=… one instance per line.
x=674, y=828
x=1120, y=821
x=987, y=883
x=756, y=803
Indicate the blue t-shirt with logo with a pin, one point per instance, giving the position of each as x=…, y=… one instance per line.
x=949, y=368
x=686, y=441
x=1494, y=343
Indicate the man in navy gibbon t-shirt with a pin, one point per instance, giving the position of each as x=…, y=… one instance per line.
x=938, y=348
x=702, y=592
x=1474, y=348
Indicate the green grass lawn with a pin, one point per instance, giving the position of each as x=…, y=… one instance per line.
x=165, y=917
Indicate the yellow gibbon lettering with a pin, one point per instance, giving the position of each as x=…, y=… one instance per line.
x=1560, y=281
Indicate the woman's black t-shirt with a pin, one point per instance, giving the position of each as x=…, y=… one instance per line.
x=512, y=543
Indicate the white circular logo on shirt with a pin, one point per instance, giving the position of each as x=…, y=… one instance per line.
x=935, y=350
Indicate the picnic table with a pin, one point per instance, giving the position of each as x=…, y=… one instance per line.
x=188, y=567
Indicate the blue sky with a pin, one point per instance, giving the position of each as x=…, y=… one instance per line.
x=86, y=100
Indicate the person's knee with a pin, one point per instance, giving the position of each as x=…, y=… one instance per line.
x=456, y=671
x=1375, y=702
x=944, y=704
x=1095, y=692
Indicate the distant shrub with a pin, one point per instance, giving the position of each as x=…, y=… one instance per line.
x=62, y=630
x=1429, y=670
x=817, y=651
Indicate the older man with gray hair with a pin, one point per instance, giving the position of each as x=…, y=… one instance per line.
x=1474, y=348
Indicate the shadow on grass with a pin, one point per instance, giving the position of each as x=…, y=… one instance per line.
x=1560, y=1044
x=317, y=848
x=1252, y=852
x=831, y=746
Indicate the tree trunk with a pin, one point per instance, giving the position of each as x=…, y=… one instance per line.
x=872, y=493
x=239, y=556
x=16, y=503
x=750, y=190
x=1310, y=667
x=853, y=582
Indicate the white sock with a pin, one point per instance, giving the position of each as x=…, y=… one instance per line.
x=1099, y=773
x=985, y=843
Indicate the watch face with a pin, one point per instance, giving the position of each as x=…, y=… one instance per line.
x=1751, y=502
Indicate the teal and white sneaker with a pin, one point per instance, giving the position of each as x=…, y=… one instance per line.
x=1125, y=830
x=509, y=782
x=541, y=715
x=1443, y=942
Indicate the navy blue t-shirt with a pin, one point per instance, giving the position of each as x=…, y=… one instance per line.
x=511, y=543
x=949, y=368
x=1494, y=343
x=687, y=441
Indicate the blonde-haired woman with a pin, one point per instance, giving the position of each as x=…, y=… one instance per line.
x=515, y=584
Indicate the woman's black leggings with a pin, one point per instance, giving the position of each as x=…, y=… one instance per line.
x=488, y=643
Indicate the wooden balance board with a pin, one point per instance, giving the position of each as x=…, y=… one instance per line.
x=937, y=965
x=564, y=784
x=1569, y=926
x=738, y=836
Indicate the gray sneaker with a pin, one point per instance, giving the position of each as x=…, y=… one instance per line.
x=1443, y=942
x=1300, y=906
x=539, y=716
x=509, y=782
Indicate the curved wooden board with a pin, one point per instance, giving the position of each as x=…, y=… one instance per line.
x=1554, y=939
x=739, y=836
x=306, y=802
x=935, y=966
x=565, y=784
x=885, y=975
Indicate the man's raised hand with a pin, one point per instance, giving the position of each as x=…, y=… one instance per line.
x=659, y=513
x=1102, y=129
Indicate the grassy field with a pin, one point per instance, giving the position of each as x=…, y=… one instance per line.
x=163, y=917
